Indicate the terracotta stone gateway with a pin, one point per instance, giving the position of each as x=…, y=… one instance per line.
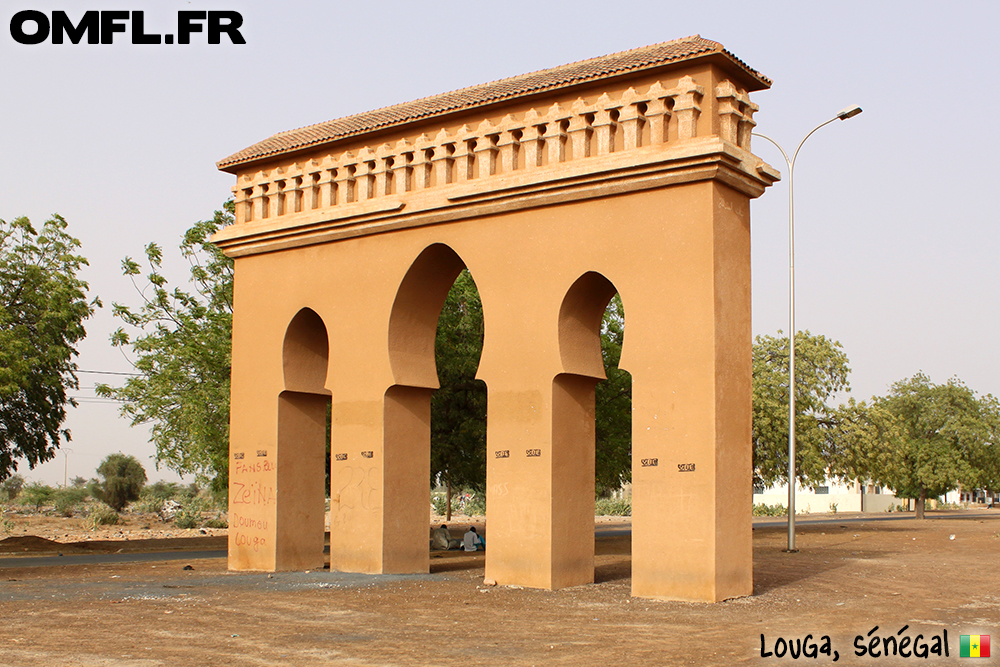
x=628, y=173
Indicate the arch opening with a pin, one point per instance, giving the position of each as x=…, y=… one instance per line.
x=435, y=341
x=591, y=420
x=303, y=442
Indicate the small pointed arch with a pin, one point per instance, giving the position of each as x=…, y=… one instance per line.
x=580, y=318
x=415, y=311
x=306, y=353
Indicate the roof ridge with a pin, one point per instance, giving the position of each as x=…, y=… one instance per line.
x=463, y=98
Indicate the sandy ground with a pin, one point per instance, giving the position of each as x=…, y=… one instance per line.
x=932, y=576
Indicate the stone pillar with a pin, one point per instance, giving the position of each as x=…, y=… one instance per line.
x=688, y=350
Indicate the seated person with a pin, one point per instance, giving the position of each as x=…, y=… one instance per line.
x=441, y=539
x=472, y=541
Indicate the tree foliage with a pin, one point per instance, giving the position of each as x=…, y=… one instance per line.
x=122, y=479
x=821, y=370
x=43, y=304
x=948, y=439
x=182, y=346
x=458, y=407
x=613, y=403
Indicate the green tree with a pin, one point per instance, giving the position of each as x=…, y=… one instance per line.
x=613, y=403
x=37, y=494
x=183, y=348
x=122, y=479
x=43, y=305
x=11, y=487
x=821, y=370
x=458, y=407
x=863, y=443
x=949, y=439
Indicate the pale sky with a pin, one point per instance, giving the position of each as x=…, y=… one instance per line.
x=897, y=234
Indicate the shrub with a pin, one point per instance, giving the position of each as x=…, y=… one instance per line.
x=147, y=506
x=613, y=507
x=102, y=515
x=37, y=494
x=123, y=479
x=217, y=522
x=440, y=504
x=12, y=486
x=475, y=505
x=66, y=500
x=160, y=491
x=760, y=509
x=187, y=518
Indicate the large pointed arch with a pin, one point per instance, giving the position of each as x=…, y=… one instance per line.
x=573, y=428
x=302, y=442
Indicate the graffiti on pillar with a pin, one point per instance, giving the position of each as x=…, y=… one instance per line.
x=356, y=487
x=532, y=452
x=650, y=463
x=685, y=467
x=501, y=454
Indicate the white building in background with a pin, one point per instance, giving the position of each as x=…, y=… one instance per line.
x=971, y=497
x=832, y=497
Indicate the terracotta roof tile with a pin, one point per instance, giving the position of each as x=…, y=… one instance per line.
x=487, y=93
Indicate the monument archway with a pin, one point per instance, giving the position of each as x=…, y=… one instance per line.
x=631, y=173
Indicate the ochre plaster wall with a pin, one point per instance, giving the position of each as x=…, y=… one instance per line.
x=671, y=254
x=667, y=227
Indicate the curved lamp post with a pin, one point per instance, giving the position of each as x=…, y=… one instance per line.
x=849, y=112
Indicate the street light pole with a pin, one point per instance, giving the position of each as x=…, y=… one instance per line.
x=66, y=451
x=849, y=112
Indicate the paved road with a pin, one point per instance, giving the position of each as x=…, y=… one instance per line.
x=759, y=522
x=91, y=559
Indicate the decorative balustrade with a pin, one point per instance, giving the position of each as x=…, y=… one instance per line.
x=534, y=141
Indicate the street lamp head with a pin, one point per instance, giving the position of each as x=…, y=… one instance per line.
x=849, y=112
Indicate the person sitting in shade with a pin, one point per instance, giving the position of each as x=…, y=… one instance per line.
x=441, y=539
x=472, y=541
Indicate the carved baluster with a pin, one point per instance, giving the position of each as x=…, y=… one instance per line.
x=532, y=142
x=293, y=202
x=557, y=120
x=274, y=192
x=631, y=119
x=443, y=158
x=729, y=111
x=687, y=109
x=383, y=171
x=327, y=189
x=402, y=171
x=422, y=162
x=658, y=112
x=509, y=143
x=259, y=197
x=463, y=155
x=747, y=123
x=282, y=190
x=605, y=124
x=580, y=129
x=346, y=186
x=486, y=149
x=244, y=204
x=364, y=174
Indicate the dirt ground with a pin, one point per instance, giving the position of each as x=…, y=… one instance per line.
x=851, y=574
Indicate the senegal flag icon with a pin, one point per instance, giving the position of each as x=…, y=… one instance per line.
x=974, y=646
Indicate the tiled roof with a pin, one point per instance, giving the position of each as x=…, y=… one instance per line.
x=542, y=81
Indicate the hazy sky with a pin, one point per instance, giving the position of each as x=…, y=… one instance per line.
x=897, y=234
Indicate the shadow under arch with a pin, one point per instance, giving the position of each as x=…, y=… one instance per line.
x=413, y=324
x=573, y=428
x=301, y=444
